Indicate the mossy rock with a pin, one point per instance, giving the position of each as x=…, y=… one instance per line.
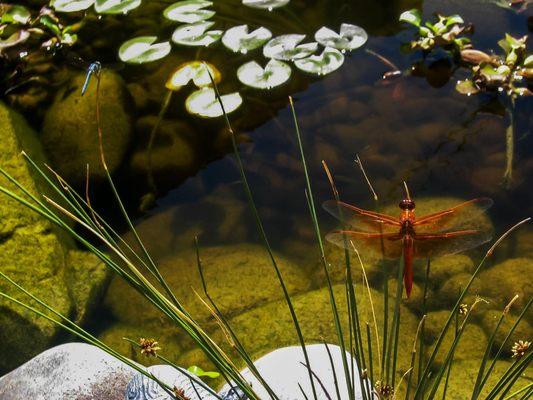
x=238, y=278
x=444, y=268
x=523, y=331
x=218, y=216
x=83, y=269
x=174, y=154
x=472, y=343
x=170, y=342
x=463, y=378
x=506, y=279
x=34, y=254
x=70, y=131
x=270, y=326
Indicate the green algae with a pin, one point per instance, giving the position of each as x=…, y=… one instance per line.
x=238, y=277
x=69, y=133
x=33, y=253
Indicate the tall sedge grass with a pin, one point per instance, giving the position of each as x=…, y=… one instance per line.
x=421, y=381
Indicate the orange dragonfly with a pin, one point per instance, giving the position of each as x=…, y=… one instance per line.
x=446, y=232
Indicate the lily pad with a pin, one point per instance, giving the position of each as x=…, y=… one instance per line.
x=287, y=47
x=466, y=87
x=142, y=49
x=204, y=103
x=265, y=4
x=196, y=34
x=239, y=40
x=197, y=71
x=71, y=5
x=321, y=64
x=189, y=11
x=116, y=6
x=274, y=74
x=350, y=37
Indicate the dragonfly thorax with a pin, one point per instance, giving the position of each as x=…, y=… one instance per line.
x=407, y=228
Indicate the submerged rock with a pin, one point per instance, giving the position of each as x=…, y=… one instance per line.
x=175, y=153
x=238, y=278
x=270, y=326
x=70, y=135
x=73, y=371
x=523, y=331
x=36, y=255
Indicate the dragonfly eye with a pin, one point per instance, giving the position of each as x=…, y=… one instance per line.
x=407, y=204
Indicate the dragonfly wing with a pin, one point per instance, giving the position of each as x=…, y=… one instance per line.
x=464, y=216
x=360, y=219
x=439, y=244
x=389, y=245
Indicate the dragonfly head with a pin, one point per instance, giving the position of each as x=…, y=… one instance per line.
x=407, y=204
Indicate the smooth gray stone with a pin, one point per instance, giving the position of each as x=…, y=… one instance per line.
x=285, y=368
x=73, y=371
x=143, y=388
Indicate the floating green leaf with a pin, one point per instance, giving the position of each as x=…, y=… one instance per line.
x=204, y=103
x=16, y=15
x=142, y=49
x=286, y=47
x=71, y=5
x=274, y=74
x=322, y=64
x=528, y=62
x=116, y=6
x=239, y=40
x=189, y=11
x=350, y=37
x=200, y=372
x=265, y=4
x=412, y=17
x=466, y=87
x=196, y=34
x=197, y=71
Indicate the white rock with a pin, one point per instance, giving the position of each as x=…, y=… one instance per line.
x=73, y=371
x=143, y=388
x=284, y=369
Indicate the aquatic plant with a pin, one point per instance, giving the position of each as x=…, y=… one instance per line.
x=445, y=32
x=377, y=364
x=508, y=76
x=29, y=37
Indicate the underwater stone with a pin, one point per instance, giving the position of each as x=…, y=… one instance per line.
x=270, y=326
x=523, y=331
x=143, y=388
x=36, y=255
x=283, y=369
x=176, y=151
x=70, y=371
x=69, y=132
x=238, y=277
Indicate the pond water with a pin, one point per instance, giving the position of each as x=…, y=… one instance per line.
x=446, y=146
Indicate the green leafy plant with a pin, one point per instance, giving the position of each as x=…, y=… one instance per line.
x=508, y=76
x=445, y=32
